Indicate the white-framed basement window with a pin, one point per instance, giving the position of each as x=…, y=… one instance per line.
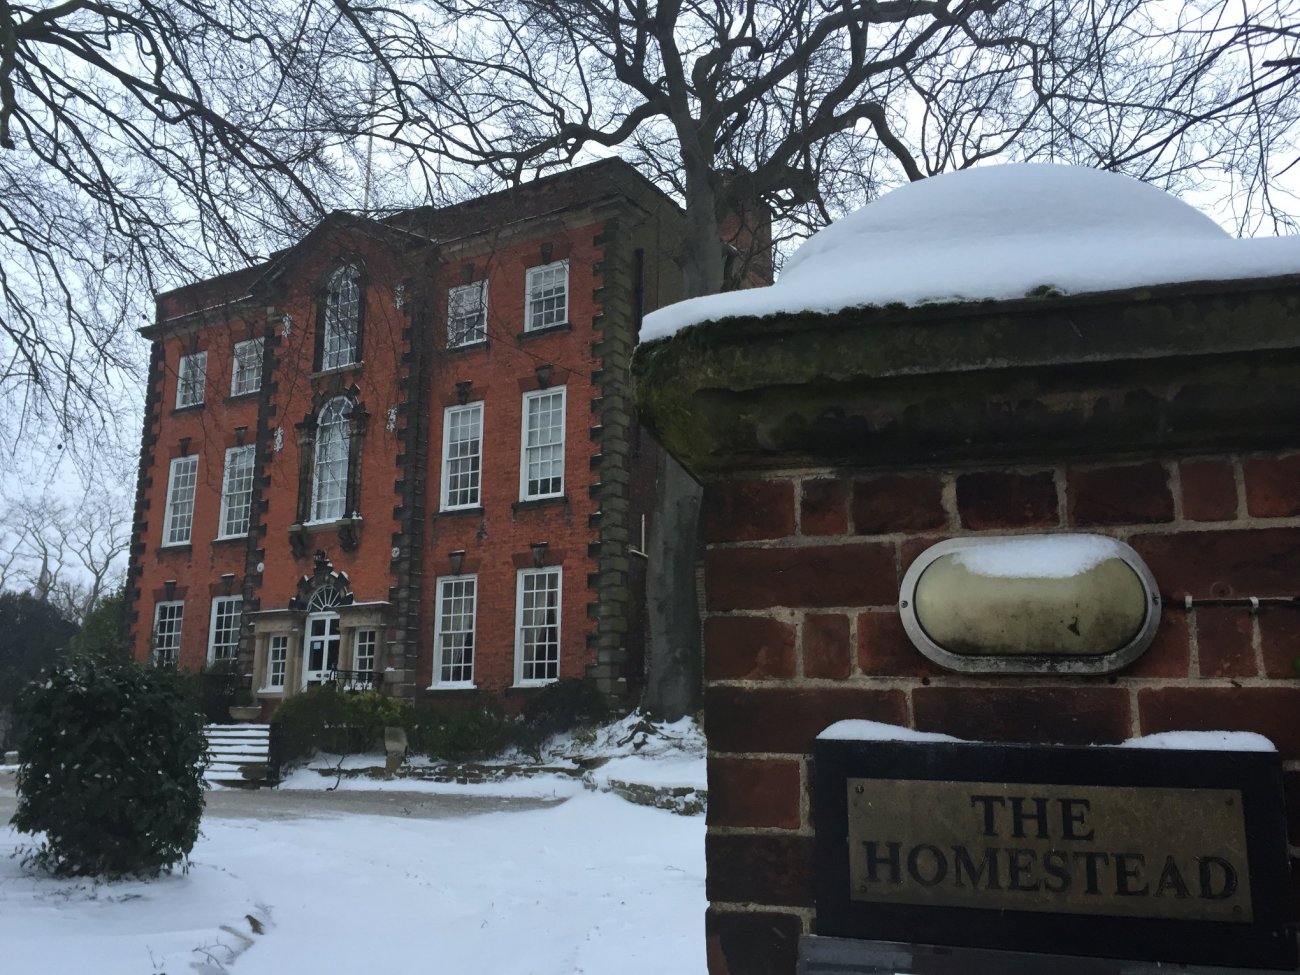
x=467, y=314
x=178, y=518
x=192, y=377
x=537, y=626
x=456, y=613
x=541, y=461
x=167, y=620
x=462, y=456
x=246, y=370
x=237, y=492
x=547, y=296
x=223, y=632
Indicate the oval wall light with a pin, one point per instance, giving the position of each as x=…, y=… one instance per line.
x=1030, y=604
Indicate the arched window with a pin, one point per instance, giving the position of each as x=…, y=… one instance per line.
x=329, y=486
x=342, y=318
x=323, y=599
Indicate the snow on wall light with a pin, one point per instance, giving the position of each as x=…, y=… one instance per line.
x=1030, y=604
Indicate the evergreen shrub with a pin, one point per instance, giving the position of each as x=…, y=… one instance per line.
x=565, y=705
x=470, y=735
x=326, y=719
x=112, y=769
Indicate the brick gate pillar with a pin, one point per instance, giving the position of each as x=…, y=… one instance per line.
x=834, y=449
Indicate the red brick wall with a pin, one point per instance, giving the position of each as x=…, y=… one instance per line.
x=497, y=541
x=197, y=568
x=300, y=392
x=295, y=391
x=802, y=629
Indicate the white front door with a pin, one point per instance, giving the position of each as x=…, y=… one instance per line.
x=321, y=654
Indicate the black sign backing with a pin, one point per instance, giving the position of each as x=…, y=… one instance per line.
x=900, y=883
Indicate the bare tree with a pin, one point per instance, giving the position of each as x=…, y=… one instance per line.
x=813, y=105
x=68, y=556
x=142, y=142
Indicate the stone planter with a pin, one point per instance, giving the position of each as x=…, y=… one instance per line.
x=245, y=712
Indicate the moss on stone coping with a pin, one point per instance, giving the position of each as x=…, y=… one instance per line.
x=1191, y=366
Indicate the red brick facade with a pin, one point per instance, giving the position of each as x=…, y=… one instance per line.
x=344, y=452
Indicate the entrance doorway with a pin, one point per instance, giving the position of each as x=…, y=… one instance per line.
x=321, y=648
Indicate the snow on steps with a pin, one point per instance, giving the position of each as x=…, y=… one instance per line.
x=240, y=754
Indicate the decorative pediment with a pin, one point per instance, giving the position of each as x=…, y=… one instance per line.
x=324, y=589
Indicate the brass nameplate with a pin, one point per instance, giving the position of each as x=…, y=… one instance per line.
x=1111, y=850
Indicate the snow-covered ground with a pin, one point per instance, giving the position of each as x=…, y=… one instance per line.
x=631, y=750
x=592, y=884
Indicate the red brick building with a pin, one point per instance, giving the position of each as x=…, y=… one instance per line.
x=406, y=449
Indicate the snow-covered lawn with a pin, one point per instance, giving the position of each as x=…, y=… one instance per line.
x=593, y=884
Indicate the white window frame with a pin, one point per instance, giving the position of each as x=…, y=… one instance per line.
x=320, y=462
x=449, y=416
x=520, y=627
x=461, y=327
x=535, y=311
x=245, y=455
x=246, y=367
x=191, y=380
x=342, y=319
x=219, y=612
x=440, y=634
x=180, y=501
x=527, y=453
x=172, y=654
x=277, y=663
x=358, y=642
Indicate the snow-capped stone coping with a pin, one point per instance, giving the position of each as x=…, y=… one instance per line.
x=1216, y=741
x=998, y=232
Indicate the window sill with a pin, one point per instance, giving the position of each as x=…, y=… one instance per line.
x=335, y=370
x=454, y=512
x=453, y=687
x=270, y=692
x=529, y=503
x=227, y=539
x=530, y=685
x=175, y=546
x=312, y=527
x=546, y=330
x=188, y=408
x=466, y=347
x=250, y=396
